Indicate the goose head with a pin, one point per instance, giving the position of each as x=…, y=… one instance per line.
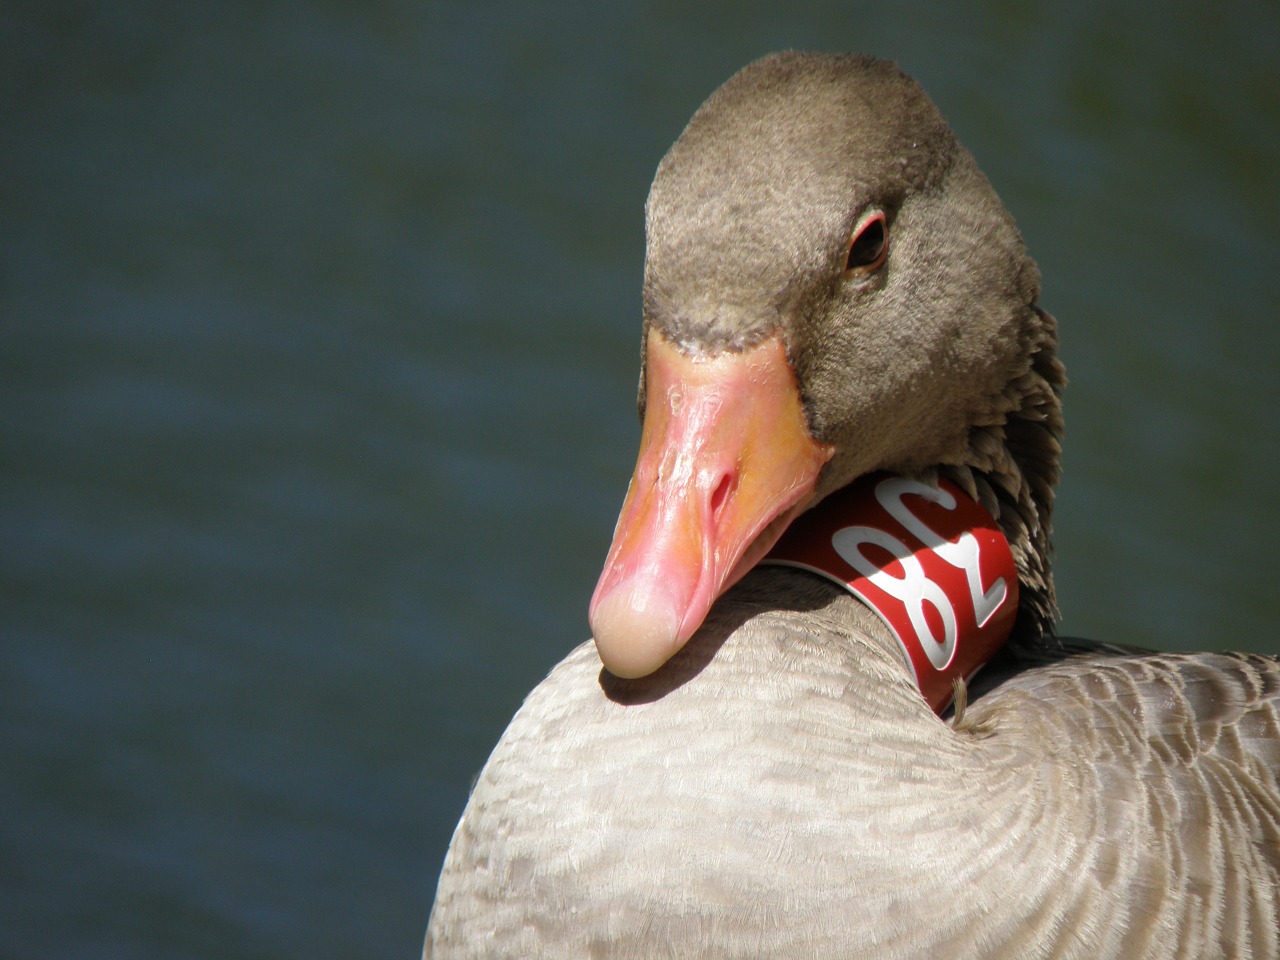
x=831, y=288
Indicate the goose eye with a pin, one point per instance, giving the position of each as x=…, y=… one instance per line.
x=869, y=246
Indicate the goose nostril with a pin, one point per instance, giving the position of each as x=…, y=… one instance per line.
x=721, y=493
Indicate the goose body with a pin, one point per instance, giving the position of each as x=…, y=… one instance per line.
x=749, y=770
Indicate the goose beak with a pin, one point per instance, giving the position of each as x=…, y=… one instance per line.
x=726, y=462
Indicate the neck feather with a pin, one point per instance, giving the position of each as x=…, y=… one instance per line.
x=1011, y=468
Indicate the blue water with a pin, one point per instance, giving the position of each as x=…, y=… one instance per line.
x=318, y=342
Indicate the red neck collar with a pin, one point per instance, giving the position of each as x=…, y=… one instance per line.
x=928, y=560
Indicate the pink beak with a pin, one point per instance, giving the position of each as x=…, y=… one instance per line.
x=726, y=462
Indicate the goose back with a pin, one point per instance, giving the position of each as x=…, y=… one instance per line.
x=779, y=789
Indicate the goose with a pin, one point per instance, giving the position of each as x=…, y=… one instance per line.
x=745, y=763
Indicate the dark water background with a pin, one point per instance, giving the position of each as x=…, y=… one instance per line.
x=318, y=334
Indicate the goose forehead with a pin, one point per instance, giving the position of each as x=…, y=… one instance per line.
x=794, y=126
x=770, y=175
